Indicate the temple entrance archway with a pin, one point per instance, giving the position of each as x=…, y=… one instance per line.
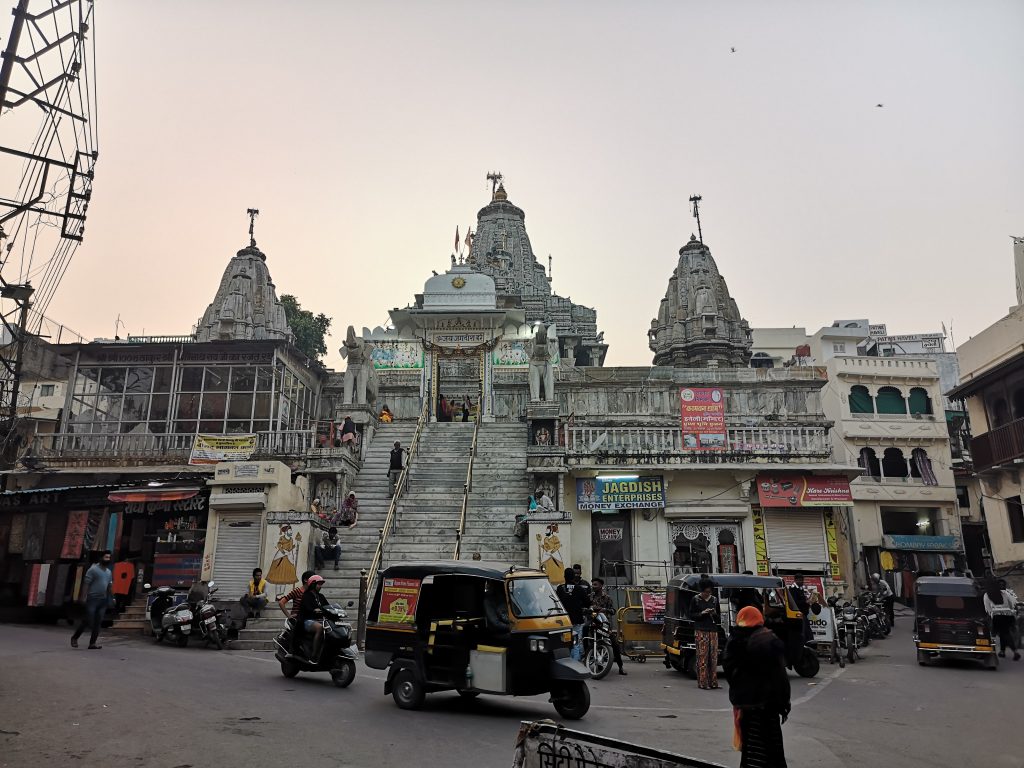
x=457, y=376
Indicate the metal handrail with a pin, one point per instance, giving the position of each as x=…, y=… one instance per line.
x=468, y=485
x=390, y=519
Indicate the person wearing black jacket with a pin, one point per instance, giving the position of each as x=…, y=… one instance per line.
x=575, y=596
x=755, y=663
x=706, y=617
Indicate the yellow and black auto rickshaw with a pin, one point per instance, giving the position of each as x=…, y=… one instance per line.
x=951, y=622
x=767, y=593
x=473, y=627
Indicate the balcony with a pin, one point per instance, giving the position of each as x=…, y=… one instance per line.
x=1001, y=445
x=762, y=444
x=161, y=449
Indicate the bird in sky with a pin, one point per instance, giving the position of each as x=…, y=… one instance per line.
x=733, y=50
x=879, y=105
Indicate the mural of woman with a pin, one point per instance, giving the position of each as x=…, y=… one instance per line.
x=550, y=550
x=282, y=568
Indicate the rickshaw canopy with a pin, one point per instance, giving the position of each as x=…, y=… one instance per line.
x=947, y=586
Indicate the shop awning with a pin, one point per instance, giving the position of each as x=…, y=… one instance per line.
x=909, y=543
x=139, y=495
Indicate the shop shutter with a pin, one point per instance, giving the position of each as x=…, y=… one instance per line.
x=239, y=539
x=796, y=538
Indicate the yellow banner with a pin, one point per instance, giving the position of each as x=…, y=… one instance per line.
x=211, y=449
x=760, y=543
x=833, y=546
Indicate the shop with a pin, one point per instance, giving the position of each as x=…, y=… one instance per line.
x=795, y=523
x=903, y=558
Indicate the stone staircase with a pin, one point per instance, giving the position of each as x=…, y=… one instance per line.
x=132, y=620
x=428, y=512
x=357, y=544
x=500, y=490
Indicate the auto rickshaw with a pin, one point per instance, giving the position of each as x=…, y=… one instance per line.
x=951, y=622
x=735, y=591
x=473, y=627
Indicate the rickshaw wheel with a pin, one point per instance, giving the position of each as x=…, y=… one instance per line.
x=922, y=658
x=468, y=695
x=807, y=665
x=572, y=700
x=640, y=659
x=992, y=662
x=407, y=691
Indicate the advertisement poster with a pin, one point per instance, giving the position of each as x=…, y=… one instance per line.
x=614, y=493
x=823, y=623
x=760, y=543
x=794, y=490
x=398, y=600
x=703, y=417
x=654, y=607
x=211, y=449
x=832, y=543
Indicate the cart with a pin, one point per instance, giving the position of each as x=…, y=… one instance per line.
x=640, y=620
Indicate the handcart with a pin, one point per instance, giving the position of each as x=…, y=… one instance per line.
x=640, y=620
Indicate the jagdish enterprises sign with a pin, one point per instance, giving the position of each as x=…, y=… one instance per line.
x=612, y=493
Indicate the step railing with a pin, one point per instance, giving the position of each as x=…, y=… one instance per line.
x=467, y=487
x=390, y=520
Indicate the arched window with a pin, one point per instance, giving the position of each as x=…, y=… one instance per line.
x=868, y=460
x=860, y=400
x=894, y=464
x=919, y=401
x=1018, y=403
x=890, y=400
x=999, y=412
x=921, y=466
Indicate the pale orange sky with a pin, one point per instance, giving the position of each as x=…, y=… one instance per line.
x=363, y=131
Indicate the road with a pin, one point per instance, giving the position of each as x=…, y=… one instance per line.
x=134, y=703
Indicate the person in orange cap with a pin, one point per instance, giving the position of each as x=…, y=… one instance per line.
x=755, y=663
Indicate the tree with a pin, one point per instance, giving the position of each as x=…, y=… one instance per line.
x=309, y=329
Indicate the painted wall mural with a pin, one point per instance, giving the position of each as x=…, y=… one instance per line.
x=397, y=355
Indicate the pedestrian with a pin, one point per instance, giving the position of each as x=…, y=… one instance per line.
x=349, y=436
x=882, y=589
x=576, y=599
x=255, y=598
x=349, y=514
x=395, y=467
x=755, y=664
x=467, y=405
x=386, y=417
x=544, y=502
x=578, y=570
x=706, y=617
x=602, y=602
x=799, y=594
x=98, y=597
x=1000, y=605
x=329, y=547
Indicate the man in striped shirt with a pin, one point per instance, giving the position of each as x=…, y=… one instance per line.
x=295, y=598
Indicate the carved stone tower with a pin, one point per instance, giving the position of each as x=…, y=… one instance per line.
x=698, y=323
x=246, y=305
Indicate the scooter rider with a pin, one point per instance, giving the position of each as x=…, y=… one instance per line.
x=295, y=598
x=310, y=613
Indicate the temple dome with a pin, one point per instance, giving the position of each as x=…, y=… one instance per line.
x=461, y=288
x=246, y=304
x=699, y=324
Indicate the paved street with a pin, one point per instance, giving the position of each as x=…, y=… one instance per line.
x=134, y=703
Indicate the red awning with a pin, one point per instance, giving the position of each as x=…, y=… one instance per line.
x=136, y=495
x=780, y=489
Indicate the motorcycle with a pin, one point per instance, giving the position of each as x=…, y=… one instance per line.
x=851, y=631
x=207, y=621
x=337, y=656
x=166, y=618
x=597, y=645
x=878, y=625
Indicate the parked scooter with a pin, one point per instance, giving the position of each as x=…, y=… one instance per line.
x=597, y=645
x=207, y=622
x=167, y=619
x=337, y=656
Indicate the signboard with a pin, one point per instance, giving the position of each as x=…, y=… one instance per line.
x=922, y=543
x=549, y=745
x=653, y=607
x=213, y=449
x=832, y=544
x=793, y=490
x=877, y=330
x=610, y=534
x=823, y=623
x=703, y=418
x=398, y=600
x=760, y=542
x=596, y=493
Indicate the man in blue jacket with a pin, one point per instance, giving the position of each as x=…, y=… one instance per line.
x=98, y=596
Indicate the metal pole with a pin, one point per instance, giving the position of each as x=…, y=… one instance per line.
x=11, y=51
x=18, y=353
x=361, y=620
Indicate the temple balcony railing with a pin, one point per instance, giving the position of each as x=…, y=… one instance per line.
x=161, y=448
x=775, y=443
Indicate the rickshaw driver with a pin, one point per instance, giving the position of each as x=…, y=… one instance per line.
x=496, y=610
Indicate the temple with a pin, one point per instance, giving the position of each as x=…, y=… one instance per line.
x=698, y=323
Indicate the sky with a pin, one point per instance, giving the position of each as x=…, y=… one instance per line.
x=363, y=133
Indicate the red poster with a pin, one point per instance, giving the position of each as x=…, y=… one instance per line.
x=811, y=584
x=703, y=418
x=793, y=490
x=398, y=600
x=74, y=536
x=654, y=607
